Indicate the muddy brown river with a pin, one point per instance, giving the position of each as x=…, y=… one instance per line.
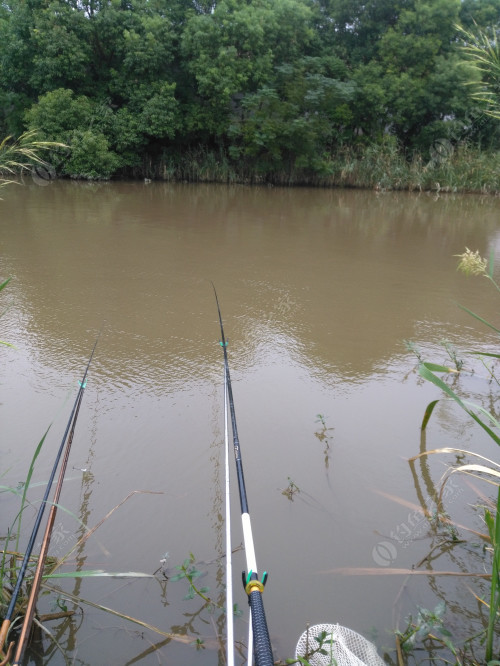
x=319, y=290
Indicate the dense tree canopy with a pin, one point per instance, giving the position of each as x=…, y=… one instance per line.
x=269, y=84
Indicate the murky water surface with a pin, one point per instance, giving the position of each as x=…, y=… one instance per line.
x=319, y=290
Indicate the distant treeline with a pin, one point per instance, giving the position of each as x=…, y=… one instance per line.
x=283, y=91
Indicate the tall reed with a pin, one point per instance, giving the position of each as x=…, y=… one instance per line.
x=471, y=263
x=382, y=166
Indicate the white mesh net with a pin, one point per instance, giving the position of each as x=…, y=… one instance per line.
x=343, y=647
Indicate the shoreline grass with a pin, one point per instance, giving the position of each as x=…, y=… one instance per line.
x=483, y=469
x=383, y=167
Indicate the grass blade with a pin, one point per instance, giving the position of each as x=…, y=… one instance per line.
x=27, y=484
x=448, y=449
x=98, y=573
x=476, y=468
x=480, y=353
x=483, y=321
x=428, y=414
x=391, y=571
x=181, y=638
x=494, y=530
x=426, y=373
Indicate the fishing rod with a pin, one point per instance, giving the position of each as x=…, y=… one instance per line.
x=229, y=559
x=253, y=587
x=37, y=579
x=70, y=428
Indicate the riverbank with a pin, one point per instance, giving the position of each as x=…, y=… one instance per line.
x=450, y=168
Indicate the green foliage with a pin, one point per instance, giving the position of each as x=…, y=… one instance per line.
x=322, y=645
x=26, y=485
x=235, y=48
x=471, y=263
x=190, y=572
x=428, y=625
x=493, y=524
x=9, y=566
x=278, y=88
x=61, y=39
x=483, y=50
x=9, y=563
x=294, y=122
x=59, y=112
x=423, y=76
x=452, y=353
x=91, y=157
x=479, y=13
x=76, y=121
x=324, y=436
x=23, y=153
x=160, y=115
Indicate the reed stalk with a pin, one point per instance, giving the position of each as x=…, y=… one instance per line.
x=471, y=263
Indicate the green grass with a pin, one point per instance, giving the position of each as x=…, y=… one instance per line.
x=381, y=167
x=484, y=469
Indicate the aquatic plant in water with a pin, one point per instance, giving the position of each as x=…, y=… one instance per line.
x=471, y=263
x=291, y=490
x=190, y=572
x=9, y=566
x=324, y=437
x=427, y=624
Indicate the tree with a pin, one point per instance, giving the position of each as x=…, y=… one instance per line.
x=300, y=118
x=77, y=122
x=479, y=14
x=62, y=50
x=422, y=73
x=234, y=50
x=16, y=56
x=281, y=84
x=353, y=28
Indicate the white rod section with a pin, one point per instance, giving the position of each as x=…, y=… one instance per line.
x=248, y=541
x=229, y=559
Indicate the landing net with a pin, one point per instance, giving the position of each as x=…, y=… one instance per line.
x=343, y=647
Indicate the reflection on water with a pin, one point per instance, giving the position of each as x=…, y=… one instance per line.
x=319, y=290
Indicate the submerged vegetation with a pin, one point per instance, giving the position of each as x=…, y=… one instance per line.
x=66, y=603
x=190, y=572
x=429, y=628
x=385, y=93
x=291, y=490
x=324, y=437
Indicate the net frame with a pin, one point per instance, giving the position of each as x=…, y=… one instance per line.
x=343, y=647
